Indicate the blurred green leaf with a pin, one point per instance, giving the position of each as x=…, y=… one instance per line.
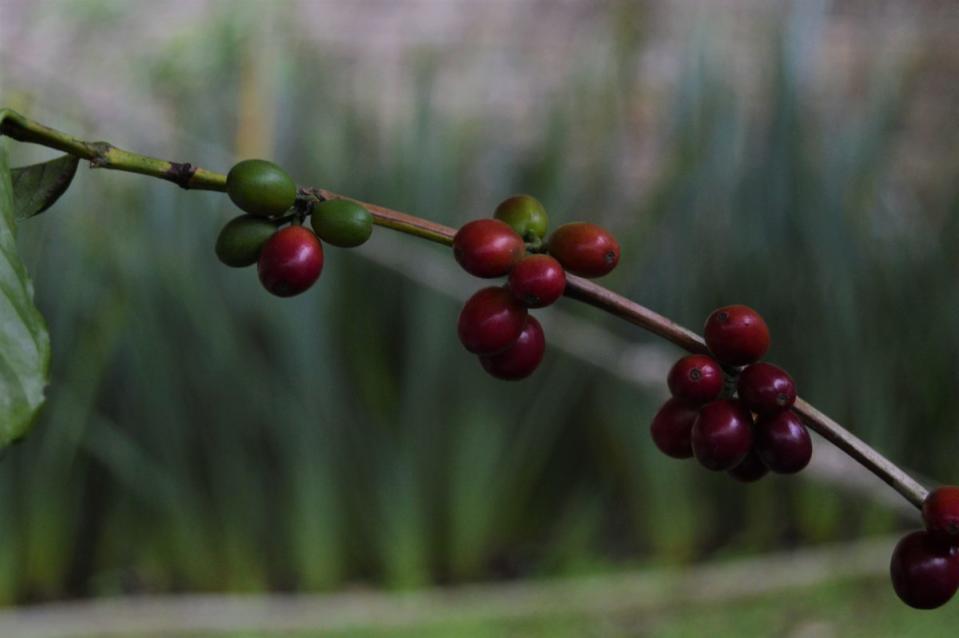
x=38, y=186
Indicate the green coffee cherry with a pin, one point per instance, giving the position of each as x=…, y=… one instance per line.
x=342, y=222
x=260, y=188
x=240, y=241
x=526, y=216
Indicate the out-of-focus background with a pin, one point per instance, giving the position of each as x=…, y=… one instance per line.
x=202, y=436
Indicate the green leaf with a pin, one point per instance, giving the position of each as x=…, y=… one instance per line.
x=37, y=186
x=24, y=342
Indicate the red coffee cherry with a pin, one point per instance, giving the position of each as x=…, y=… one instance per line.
x=696, y=378
x=722, y=434
x=737, y=335
x=491, y=321
x=783, y=442
x=940, y=511
x=924, y=570
x=290, y=261
x=520, y=359
x=672, y=427
x=765, y=388
x=537, y=280
x=750, y=469
x=584, y=249
x=487, y=248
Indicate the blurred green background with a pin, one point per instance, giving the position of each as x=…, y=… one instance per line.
x=200, y=435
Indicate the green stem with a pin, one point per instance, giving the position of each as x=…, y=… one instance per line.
x=105, y=155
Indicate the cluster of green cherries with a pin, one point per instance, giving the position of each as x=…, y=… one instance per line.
x=288, y=256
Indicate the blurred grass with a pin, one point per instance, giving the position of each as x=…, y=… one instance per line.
x=201, y=435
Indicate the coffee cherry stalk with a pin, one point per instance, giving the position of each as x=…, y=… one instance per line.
x=729, y=410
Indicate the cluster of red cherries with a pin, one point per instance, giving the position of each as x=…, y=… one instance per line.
x=495, y=323
x=746, y=436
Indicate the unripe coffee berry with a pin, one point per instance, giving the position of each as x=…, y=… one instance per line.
x=783, y=442
x=241, y=239
x=290, y=262
x=342, y=222
x=696, y=378
x=537, y=280
x=525, y=215
x=520, y=359
x=491, y=321
x=765, y=388
x=940, y=511
x=736, y=335
x=722, y=434
x=260, y=188
x=584, y=249
x=924, y=570
x=672, y=427
x=750, y=469
x=487, y=248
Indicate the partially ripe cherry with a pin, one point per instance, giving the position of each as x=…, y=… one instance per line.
x=491, y=321
x=525, y=215
x=783, y=442
x=737, y=335
x=924, y=570
x=537, y=280
x=584, y=249
x=290, y=262
x=722, y=434
x=750, y=469
x=520, y=359
x=487, y=248
x=260, y=188
x=342, y=222
x=940, y=511
x=696, y=378
x=672, y=426
x=765, y=388
x=241, y=240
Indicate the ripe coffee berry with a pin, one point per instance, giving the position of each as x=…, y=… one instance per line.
x=584, y=249
x=783, y=442
x=737, y=335
x=241, y=239
x=696, y=378
x=525, y=215
x=722, y=434
x=750, y=469
x=672, y=427
x=290, y=262
x=924, y=570
x=940, y=511
x=765, y=388
x=342, y=222
x=537, y=280
x=491, y=321
x=520, y=359
x=260, y=188
x=487, y=248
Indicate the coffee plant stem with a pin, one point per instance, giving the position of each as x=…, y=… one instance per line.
x=105, y=155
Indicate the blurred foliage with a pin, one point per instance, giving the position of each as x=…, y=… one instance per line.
x=203, y=435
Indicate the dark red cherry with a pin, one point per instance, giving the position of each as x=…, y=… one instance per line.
x=924, y=570
x=750, y=469
x=584, y=249
x=520, y=359
x=940, y=511
x=487, y=248
x=290, y=261
x=537, y=280
x=722, y=434
x=783, y=442
x=765, y=388
x=737, y=335
x=696, y=378
x=672, y=427
x=491, y=321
